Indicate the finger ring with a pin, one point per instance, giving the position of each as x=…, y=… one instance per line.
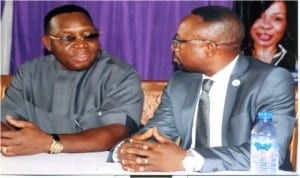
x=4, y=149
x=145, y=161
x=142, y=168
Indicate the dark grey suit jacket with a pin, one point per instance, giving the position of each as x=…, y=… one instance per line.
x=262, y=88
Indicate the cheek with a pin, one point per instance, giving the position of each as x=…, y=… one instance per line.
x=185, y=55
x=258, y=23
x=94, y=47
x=252, y=32
x=192, y=57
x=254, y=29
x=279, y=29
x=59, y=50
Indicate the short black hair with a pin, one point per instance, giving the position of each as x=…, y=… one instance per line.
x=234, y=27
x=68, y=8
x=212, y=13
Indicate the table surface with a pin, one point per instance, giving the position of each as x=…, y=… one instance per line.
x=88, y=164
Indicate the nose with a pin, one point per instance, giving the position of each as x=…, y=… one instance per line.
x=80, y=42
x=266, y=23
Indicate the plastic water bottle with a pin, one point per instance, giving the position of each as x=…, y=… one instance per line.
x=264, y=148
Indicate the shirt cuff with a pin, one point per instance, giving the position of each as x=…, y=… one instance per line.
x=199, y=160
x=115, y=152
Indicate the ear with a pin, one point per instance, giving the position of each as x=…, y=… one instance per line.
x=46, y=42
x=210, y=48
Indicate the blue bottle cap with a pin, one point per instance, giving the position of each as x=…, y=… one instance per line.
x=264, y=115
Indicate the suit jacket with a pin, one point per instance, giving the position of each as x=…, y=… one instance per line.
x=262, y=88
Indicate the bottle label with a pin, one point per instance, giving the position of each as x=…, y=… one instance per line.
x=262, y=146
x=264, y=155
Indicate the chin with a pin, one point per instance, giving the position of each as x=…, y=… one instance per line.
x=265, y=43
x=79, y=66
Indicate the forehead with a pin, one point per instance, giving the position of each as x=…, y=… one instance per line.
x=277, y=7
x=190, y=24
x=191, y=21
x=70, y=21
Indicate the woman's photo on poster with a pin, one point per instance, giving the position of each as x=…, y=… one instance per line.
x=271, y=32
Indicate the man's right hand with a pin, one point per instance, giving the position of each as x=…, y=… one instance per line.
x=139, y=154
x=26, y=138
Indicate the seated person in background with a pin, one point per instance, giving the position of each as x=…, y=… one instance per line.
x=80, y=99
x=207, y=46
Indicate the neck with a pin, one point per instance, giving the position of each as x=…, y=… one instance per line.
x=264, y=54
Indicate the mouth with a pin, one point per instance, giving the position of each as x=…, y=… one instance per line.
x=81, y=57
x=264, y=36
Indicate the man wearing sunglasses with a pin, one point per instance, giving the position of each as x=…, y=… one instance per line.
x=78, y=99
x=232, y=87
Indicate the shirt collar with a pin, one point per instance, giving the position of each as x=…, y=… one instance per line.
x=224, y=73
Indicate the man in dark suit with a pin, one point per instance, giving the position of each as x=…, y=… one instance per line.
x=207, y=46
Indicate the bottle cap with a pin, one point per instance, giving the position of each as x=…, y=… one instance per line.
x=264, y=115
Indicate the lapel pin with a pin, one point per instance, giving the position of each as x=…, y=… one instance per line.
x=236, y=82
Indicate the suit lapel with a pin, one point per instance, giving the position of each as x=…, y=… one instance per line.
x=187, y=114
x=235, y=82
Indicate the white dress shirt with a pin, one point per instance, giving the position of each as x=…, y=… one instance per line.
x=217, y=95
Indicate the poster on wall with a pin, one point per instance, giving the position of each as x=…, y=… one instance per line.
x=271, y=32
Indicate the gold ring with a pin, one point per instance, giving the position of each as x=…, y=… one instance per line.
x=4, y=150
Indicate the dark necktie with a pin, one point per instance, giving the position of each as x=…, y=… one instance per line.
x=202, y=124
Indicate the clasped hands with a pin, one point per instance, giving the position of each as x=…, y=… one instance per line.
x=138, y=154
x=22, y=138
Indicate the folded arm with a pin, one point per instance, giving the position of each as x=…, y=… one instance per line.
x=27, y=138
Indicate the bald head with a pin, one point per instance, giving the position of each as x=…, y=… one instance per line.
x=222, y=23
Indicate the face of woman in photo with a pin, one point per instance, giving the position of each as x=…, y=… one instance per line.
x=270, y=27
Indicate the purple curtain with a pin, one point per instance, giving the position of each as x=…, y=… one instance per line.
x=139, y=32
x=2, y=7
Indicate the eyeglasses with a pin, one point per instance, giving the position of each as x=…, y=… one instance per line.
x=69, y=39
x=176, y=41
